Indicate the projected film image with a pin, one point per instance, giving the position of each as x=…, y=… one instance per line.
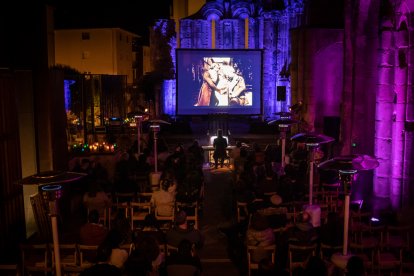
x=219, y=81
x=223, y=84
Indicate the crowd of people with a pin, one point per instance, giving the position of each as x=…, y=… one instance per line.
x=181, y=180
x=257, y=181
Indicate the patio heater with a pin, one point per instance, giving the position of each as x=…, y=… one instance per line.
x=50, y=187
x=138, y=120
x=347, y=167
x=284, y=123
x=156, y=128
x=312, y=142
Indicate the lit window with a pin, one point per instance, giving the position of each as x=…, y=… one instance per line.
x=86, y=54
x=86, y=36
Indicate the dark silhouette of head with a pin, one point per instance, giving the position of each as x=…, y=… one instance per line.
x=315, y=266
x=93, y=216
x=355, y=266
x=219, y=132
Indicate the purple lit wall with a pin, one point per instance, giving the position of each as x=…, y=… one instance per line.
x=394, y=138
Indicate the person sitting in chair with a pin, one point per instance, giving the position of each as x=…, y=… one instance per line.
x=220, y=145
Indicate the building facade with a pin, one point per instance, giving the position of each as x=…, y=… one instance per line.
x=106, y=51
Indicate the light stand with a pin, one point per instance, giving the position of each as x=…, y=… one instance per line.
x=138, y=120
x=51, y=191
x=311, y=147
x=347, y=167
x=283, y=123
x=155, y=130
x=283, y=129
x=312, y=141
x=346, y=177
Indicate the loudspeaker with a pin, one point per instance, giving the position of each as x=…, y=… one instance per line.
x=332, y=126
x=281, y=93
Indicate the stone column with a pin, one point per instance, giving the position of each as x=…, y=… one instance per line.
x=384, y=112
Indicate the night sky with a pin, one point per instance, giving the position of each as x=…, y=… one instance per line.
x=129, y=15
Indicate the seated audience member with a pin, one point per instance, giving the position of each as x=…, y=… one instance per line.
x=123, y=226
x=151, y=228
x=184, y=256
x=146, y=259
x=315, y=266
x=196, y=153
x=259, y=234
x=277, y=215
x=102, y=266
x=118, y=255
x=302, y=231
x=123, y=174
x=99, y=173
x=267, y=268
x=182, y=231
x=163, y=200
x=332, y=231
x=355, y=266
x=190, y=189
x=93, y=233
x=96, y=198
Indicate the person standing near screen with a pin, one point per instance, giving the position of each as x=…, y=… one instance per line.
x=220, y=147
x=206, y=96
x=237, y=87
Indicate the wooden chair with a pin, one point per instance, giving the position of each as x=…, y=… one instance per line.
x=367, y=252
x=35, y=258
x=191, y=210
x=265, y=250
x=326, y=250
x=242, y=212
x=398, y=236
x=143, y=182
x=68, y=256
x=138, y=212
x=124, y=197
x=299, y=254
x=87, y=255
x=389, y=259
x=144, y=197
x=115, y=209
x=170, y=249
x=182, y=270
x=9, y=270
x=168, y=219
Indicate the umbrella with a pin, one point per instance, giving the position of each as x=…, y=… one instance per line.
x=51, y=177
x=353, y=162
x=283, y=114
x=311, y=138
x=283, y=121
x=159, y=121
